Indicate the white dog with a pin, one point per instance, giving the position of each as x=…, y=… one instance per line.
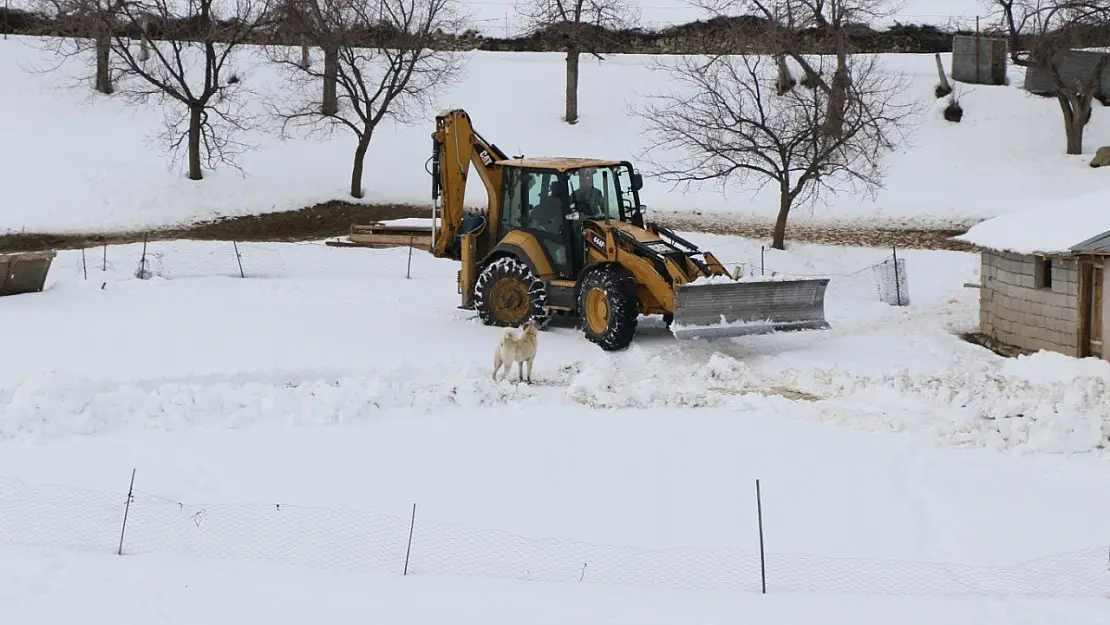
x=513, y=349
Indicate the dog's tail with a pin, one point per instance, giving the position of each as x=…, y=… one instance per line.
x=507, y=334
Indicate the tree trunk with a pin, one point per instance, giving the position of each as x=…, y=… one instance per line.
x=356, y=170
x=103, y=54
x=942, y=77
x=1075, y=119
x=778, y=235
x=838, y=100
x=196, y=115
x=330, y=105
x=144, y=40
x=571, y=116
x=304, y=52
x=785, y=81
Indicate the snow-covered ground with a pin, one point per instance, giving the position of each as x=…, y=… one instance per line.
x=109, y=171
x=282, y=426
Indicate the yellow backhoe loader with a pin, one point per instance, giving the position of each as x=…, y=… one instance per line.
x=566, y=236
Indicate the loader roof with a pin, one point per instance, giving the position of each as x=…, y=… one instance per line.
x=558, y=163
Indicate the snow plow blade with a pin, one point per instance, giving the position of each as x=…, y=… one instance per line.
x=718, y=310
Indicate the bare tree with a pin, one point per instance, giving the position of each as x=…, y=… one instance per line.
x=798, y=27
x=385, y=67
x=299, y=19
x=189, y=67
x=581, y=26
x=86, y=26
x=728, y=123
x=1041, y=33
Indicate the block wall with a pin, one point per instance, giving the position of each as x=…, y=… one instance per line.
x=979, y=60
x=1014, y=311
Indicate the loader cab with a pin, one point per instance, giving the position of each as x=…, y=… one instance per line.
x=552, y=201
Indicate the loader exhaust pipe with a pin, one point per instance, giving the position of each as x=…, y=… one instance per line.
x=749, y=307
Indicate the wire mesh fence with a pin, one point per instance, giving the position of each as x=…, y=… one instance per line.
x=885, y=281
x=344, y=539
x=233, y=259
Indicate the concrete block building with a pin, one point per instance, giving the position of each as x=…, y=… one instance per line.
x=1042, y=278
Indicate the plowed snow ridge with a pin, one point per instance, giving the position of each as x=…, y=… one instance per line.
x=1003, y=406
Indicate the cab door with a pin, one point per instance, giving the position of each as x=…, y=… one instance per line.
x=544, y=216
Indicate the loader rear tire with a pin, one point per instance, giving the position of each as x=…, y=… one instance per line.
x=607, y=308
x=508, y=294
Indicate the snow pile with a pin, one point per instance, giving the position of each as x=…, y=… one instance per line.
x=713, y=280
x=1054, y=227
x=989, y=406
x=984, y=405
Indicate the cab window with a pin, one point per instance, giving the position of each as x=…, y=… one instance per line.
x=545, y=203
x=594, y=190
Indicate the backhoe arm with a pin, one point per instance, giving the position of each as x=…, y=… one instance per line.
x=455, y=145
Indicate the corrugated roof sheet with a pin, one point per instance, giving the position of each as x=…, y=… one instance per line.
x=1099, y=244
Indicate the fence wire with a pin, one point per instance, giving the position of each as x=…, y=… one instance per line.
x=352, y=540
x=247, y=260
x=885, y=281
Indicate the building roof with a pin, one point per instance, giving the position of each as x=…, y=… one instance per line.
x=1078, y=224
x=558, y=163
x=1099, y=244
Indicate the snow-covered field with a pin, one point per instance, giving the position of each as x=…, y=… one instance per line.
x=285, y=406
x=113, y=173
x=283, y=425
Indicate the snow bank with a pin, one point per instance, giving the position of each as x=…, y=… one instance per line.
x=995, y=406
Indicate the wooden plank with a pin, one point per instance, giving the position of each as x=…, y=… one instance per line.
x=378, y=244
x=390, y=239
x=418, y=232
x=1096, y=312
x=1083, y=346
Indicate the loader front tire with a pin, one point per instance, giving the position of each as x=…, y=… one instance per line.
x=508, y=294
x=607, y=308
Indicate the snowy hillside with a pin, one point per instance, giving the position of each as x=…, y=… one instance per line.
x=76, y=161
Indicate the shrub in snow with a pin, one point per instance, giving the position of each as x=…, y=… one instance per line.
x=953, y=112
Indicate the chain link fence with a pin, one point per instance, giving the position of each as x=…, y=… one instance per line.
x=344, y=539
x=885, y=281
x=245, y=260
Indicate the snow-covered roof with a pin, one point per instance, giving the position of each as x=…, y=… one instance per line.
x=1054, y=228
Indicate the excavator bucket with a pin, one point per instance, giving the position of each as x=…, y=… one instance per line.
x=741, y=308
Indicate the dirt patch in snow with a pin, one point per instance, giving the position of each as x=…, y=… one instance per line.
x=334, y=218
x=848, y=233
x=323, y=220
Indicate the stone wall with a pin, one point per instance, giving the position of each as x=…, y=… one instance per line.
x=1014, y=311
